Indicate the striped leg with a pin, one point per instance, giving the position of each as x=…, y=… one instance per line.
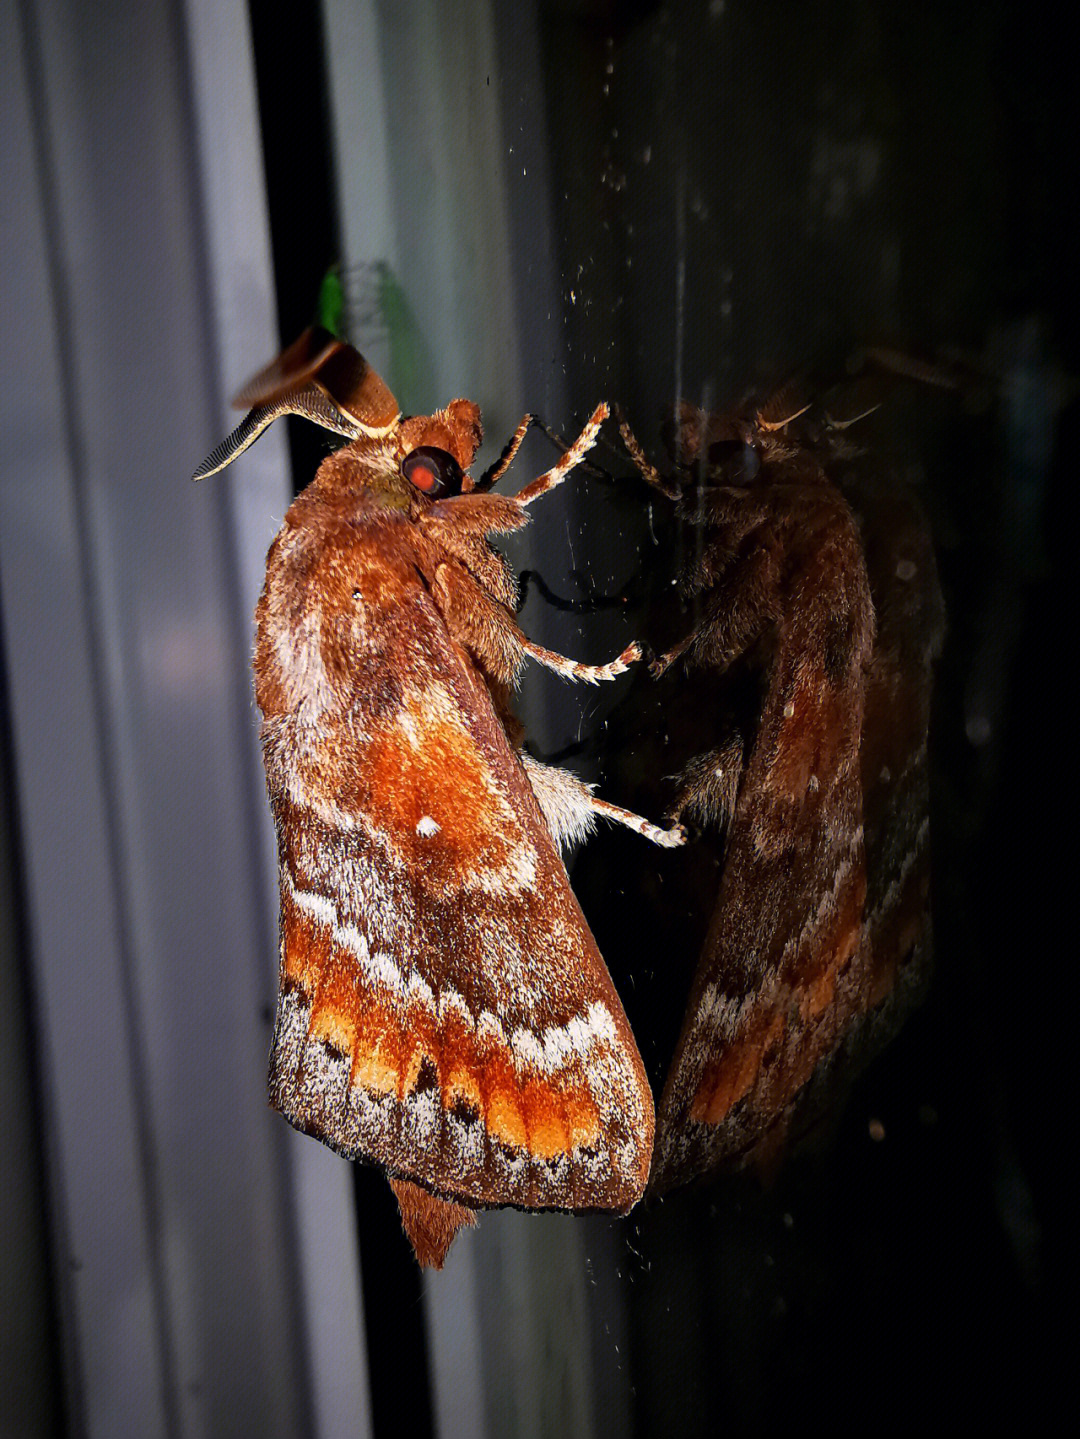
x=647, y=470
x=573, y=457
x=570, y=808
x=575, y=670
x=667, y=838
x=495, y=473
x=490, y=634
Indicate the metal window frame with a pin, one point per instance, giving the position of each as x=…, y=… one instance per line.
x=208, y=1251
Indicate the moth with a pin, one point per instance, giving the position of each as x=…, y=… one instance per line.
x=815, y=597
x=443, y=1010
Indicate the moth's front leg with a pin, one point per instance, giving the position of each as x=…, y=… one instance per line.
x=490, y=634
x=566, y=462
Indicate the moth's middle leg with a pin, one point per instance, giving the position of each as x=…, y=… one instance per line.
x=487, y=630
x=491, y=635
x=571, y=809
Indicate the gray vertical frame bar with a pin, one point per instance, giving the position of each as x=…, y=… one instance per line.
x=239, y=270
x=199, y=1293
x=117, y=1366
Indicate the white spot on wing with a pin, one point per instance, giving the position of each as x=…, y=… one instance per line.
x=427, y=827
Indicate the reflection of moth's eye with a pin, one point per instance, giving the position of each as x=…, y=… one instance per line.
x=733, y=463
x=433, y=471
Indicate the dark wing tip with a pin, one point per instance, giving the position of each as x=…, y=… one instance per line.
x=319, y=359
x=291, y=370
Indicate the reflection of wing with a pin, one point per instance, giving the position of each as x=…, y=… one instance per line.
x=443, y=1008
x=819, y=943
x=766, y=1001
x=893, y=760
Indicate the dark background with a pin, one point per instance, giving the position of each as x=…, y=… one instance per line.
x=820, y=176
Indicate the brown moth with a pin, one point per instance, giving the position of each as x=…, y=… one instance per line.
x=443, y=1010
x=815, y=591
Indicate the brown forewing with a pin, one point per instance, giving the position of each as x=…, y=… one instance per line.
x=443, y=1009
x=893, y=757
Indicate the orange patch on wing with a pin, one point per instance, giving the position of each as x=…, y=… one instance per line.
x=475, y=1069
x=582, y=1118
x=461, y=1088
x=307, y=948
x=413, y=1057
x=425, y=765
x=455, y=1041
x=380, y=1047
x=734, y=1075
x=333, y=1028
x=387, y=1046
x=544, y=1119
x=832, y=946
x=334, y=1003
x=526, y=1112
x=500, y=1088
x=420, y=1042
x=819, y=994
x=378, y=1069
x=503, y=1117
x=724, y=1083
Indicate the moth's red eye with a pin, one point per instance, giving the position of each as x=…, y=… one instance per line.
x=433, y=471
